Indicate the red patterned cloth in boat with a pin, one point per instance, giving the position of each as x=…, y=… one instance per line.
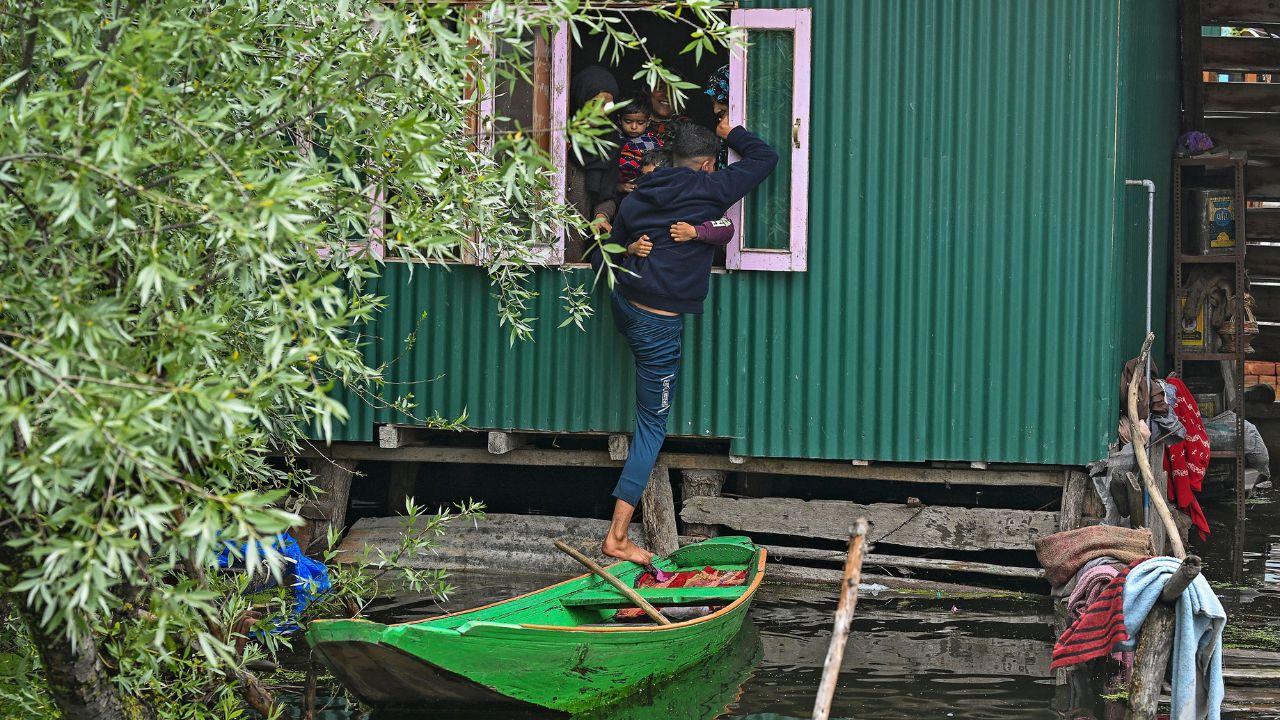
x=706, y=577
x=1187, y=461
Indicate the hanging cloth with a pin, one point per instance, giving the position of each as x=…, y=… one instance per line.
x=1187, y=461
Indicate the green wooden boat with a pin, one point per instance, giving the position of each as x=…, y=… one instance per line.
x=557, y=648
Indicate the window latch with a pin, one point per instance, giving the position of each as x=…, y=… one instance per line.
x=795, y=134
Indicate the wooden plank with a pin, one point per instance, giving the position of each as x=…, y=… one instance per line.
x=501, y=443
x=1240, y=54
x=607, y=598
x=619, y=447
x=1073, y=496
x=400, y=486
x=1267, y=342
x=1242, y=97
x=885, y=586
x=1254, y=135
x=1263, y=223
x=1244, y=13
x=501, y=543
x=920, y=526
x=1268, y=296
x=1262, y=178
x=784, y=553
x=1190, y=53
x=1262, y=261
x=658, y=512
x=1252, y=677
x=701, y=483
x=1047, y=477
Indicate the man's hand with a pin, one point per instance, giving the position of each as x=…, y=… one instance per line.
x=626, y=187
x=641, y=247
x=601, y=224
x=723, y=127
x=683, y=232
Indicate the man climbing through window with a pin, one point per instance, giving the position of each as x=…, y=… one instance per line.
x=662, y=279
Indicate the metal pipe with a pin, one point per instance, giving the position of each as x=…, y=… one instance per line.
x=1151, y=219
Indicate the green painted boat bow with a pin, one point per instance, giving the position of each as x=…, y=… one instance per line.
x=556, y=648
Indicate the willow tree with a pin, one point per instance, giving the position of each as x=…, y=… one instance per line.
x=186, y=197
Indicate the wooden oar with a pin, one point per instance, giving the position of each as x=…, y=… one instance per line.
x=844, y=619
x=630, y=594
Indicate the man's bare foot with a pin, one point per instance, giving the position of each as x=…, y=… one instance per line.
x=626, y=550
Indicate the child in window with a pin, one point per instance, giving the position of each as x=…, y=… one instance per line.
x=711, y=232
x=633, y=122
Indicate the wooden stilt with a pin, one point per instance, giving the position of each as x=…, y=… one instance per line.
x=844, y=619
x=329, y=507
x=658, y=511
x=401, y=486
x=701, y=483
x=1073, y=496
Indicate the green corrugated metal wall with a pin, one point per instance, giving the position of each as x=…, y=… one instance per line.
x=971, y=255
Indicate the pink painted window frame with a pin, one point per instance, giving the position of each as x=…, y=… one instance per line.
x=800, y=22
x=552, y=252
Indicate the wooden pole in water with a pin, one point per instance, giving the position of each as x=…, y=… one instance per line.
x=630, y=594
x=844, y=619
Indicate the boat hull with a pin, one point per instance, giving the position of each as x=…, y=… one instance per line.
x=519, y=664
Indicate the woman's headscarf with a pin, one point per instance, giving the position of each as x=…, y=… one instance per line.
x=590, y=82
x=600, y=171
x=718, y=85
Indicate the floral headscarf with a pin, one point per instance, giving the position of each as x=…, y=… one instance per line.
x=718, y=85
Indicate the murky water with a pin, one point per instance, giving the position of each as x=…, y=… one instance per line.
x=906, y=658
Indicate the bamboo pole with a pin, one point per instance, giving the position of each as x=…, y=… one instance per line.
x=630, y=593
x=1140, y=454
x=844, y=619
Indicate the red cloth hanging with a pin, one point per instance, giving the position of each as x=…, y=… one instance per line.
x=1187, y=461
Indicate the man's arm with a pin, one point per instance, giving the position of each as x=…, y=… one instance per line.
x=756, y=161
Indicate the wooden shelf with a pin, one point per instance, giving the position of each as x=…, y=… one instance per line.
x=1206, y=357
x=1211, y=259
x=1233, y=159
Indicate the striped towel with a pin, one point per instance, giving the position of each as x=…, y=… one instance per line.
x=1099, y=629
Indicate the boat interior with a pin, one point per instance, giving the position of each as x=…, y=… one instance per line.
x=589, y=600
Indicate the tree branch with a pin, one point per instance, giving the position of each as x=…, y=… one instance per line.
x=28, y=50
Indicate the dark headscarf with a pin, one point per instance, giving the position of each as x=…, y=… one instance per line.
x=590, y=82
x=601, y=170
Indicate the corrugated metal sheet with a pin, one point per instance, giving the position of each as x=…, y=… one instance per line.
x=969, y=245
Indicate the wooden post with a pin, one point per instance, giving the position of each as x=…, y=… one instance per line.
x=1155, y=494
x=329, y=507
x=658, y=512
x=400, y=486
x=701, y=483
x=844, y=619
x=619, y=447
x=1073, y=493
x=501, y=443
x=1161, y=535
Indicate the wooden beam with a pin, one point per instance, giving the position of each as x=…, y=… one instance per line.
x=1048, y=477
x=1240, y=54
x=1239, y=97
x=328, y=508
x=1073, y=496
x=619, y=447
x=892, y=587
x=701, y=483
x=783, y=553
x=400, y=486
x=1192, y=117
x=1253, y=135
x=1263, y=223
x=501, y=443
x=1240, y=13
x=395, y=436
x=1262, y=262
x=658, y=513
x=927, y=526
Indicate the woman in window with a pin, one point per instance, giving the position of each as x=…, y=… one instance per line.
x=592, y=181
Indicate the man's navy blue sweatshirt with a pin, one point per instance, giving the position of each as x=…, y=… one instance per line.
x=675, y=275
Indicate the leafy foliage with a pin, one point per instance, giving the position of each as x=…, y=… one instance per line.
x=190, y=196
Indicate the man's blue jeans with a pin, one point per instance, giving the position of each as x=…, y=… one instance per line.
x=655, y=343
